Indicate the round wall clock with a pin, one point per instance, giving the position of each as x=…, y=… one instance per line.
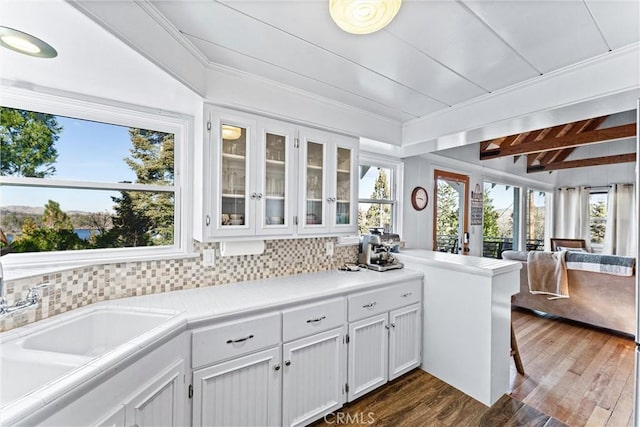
x=419, y=198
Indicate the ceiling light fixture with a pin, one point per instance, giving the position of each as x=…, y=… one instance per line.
x=25, y=43
x=231, y=132
x=363, y=16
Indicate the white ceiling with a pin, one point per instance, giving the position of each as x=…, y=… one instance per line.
x=444, y=73
x=433, y=55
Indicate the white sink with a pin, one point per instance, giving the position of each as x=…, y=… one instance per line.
x=19, y=377
x=95, y=332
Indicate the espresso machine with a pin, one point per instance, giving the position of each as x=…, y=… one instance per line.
x=376, y=251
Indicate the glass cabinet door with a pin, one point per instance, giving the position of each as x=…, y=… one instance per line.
x=233, y=176
x=315, y=162
x=275, y=183
x=343, y=186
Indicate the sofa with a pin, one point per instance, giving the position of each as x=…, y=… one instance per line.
x=596, y=298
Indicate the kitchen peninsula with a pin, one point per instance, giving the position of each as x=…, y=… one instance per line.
x=467, y=319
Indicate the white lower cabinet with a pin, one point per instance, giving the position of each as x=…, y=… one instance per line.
x=245, y=391
x=160, y=402
x=313, y=377
x=368, y=355
x=383, y=347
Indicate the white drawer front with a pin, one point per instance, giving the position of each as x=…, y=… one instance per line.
x=313, y=318
x=232, y=339
x=405, y=294
x=370, y=303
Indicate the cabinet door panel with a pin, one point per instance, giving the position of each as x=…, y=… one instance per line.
x=276, y=182
x=232, y=138
x=161, y=403
x=368, y=343
x=241, y=392
x=404, y=340
x=314, y=378
x=343, y=214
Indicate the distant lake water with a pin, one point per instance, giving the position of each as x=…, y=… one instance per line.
x=83, y=233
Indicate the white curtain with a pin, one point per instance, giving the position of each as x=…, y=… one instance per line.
x=572, y=213
x=620, y=234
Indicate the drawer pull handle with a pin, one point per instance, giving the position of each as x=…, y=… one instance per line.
x=408, y=294
x=318, y=319
x=370, y=305
x=240, y=339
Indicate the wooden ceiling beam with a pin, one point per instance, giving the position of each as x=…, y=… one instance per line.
x=596, y=161
x=567, y=141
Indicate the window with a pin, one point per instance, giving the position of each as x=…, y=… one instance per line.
x=500, y=219
x=379, y=186
x=92, y=184
x=535, y=219
x=597, y=219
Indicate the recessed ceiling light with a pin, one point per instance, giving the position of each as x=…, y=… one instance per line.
x=25, y=43
x=363, y=16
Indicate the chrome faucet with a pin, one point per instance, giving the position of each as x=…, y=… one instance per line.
x=31, y=300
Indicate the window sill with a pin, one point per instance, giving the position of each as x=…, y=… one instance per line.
x=15, y=269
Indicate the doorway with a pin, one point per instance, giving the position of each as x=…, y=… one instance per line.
x=450, y=212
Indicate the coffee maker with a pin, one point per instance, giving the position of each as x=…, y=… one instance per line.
x=376, y=251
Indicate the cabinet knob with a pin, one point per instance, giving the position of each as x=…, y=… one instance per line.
x=253, y=196
x=276, y=368
x=287, y=363
x=393, y=325
x=259, y=196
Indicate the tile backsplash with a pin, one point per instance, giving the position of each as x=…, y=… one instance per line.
x=78, y=287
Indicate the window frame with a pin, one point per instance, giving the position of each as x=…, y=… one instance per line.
x=397, y=185
x=98, y=110
x=547, y=199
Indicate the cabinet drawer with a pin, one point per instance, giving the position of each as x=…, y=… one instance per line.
x=367, y=304
x=313, y=318
x=405, y=294
x=227, y=340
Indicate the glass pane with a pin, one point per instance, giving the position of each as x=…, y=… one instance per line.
x=536, y=202
x=597, y=220
x=375, y=215
x=39, y=219
x=56, y=147
x=234, y=170
x=275, y=179
x=448, y=225
x=375, y=183
x=500, y=219
x=315, y=175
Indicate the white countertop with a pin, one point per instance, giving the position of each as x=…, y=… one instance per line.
x=192, y=308
x=465, y=263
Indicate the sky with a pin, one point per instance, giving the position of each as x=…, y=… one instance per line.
x=87, y=151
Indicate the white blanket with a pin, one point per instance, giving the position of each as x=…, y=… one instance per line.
x=548, y=274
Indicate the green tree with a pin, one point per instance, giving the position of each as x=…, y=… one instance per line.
x=55, y=218
x=598, y=221
x=27, y=143
x=447, y=218
x=130, y=225
x=489, y=216
x=152, y=161
x=379, y=215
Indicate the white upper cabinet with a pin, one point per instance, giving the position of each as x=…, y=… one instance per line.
x=328, y=183
x=266, y=177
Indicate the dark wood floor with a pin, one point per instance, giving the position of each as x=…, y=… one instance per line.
x=575, y=375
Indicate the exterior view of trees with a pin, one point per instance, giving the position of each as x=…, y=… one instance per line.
x=139, y=218
x=377, y=215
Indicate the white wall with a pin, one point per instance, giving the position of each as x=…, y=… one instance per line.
x=418, y=226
